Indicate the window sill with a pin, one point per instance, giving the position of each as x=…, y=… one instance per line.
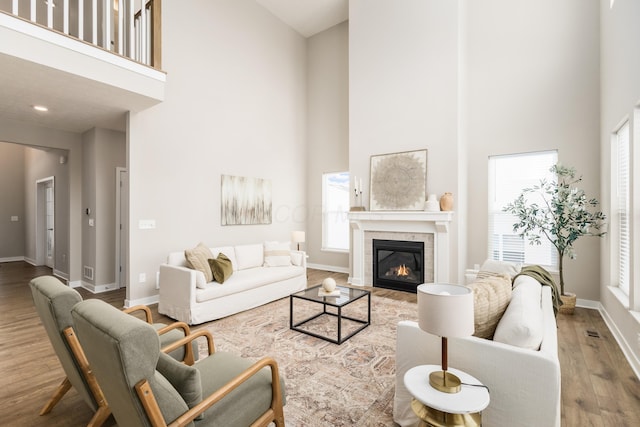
x=620, y=296
x=334, y=250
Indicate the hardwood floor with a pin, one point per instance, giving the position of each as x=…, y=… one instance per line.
x=598, y=386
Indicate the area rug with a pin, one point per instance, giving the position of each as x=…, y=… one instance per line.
x=327, y=384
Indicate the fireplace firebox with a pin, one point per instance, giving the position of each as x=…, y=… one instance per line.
x=398, y=264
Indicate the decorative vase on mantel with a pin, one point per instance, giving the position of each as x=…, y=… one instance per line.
x=446, y=202
x=431, y=204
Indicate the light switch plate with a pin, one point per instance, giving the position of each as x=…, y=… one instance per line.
x=91, y=222
x=147, y=224
x=14, y=218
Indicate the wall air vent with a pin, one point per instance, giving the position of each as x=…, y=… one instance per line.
x=88, y=272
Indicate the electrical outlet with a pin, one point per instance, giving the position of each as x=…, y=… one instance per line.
x=142, y=278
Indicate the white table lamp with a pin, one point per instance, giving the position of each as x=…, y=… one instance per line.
x=297, y=237
x=446, y=311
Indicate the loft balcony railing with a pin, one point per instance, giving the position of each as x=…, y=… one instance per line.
x=123, y=27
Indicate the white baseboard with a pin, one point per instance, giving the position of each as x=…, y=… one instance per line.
x=30, y=261
x=587, y=303
x=142, y=301
x=12, y=259
x=328, y=268
x=61, y=274
x=624, y=345
x=95, y=289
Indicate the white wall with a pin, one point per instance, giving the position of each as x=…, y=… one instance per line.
x=235, y=104
x=532, y=83
x=620, y=95
x=13, y=131
x=327, y=131
x=12, y=233
x=403, y=91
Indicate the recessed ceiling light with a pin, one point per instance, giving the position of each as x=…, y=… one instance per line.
x=40, y=108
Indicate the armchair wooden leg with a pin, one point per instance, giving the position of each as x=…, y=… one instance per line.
x=100, y=416
x=62, y=389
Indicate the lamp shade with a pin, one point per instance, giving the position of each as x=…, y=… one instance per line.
x=445, y=310
x=297, y=236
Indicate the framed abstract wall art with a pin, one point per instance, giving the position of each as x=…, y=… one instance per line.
x=398, y=181
x=245, y=200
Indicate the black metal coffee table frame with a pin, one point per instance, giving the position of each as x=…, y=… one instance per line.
x=347, y=296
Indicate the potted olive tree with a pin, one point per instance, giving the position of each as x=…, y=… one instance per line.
x=561, y=214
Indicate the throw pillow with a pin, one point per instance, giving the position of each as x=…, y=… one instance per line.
x=185, y=379
x=221, y=267
x=197, y=259
x=501, y=267
x=296, y=258
x=491, y=297
x=201, y=281
x=277, y=254
x=522, y=324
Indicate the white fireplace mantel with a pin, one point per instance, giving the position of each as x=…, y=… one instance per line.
x=436, y=223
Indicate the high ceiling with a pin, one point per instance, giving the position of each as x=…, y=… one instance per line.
x=308, y=17
x=77, y=104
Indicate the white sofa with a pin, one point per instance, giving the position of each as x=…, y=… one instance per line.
x=524, y=383
x=185, y=295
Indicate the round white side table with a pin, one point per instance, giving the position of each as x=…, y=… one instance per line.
x=439, y=409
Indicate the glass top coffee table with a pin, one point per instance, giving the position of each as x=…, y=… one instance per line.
x=332, y=306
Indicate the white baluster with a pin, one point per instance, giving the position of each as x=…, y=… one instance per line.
x=94, y=22
x=120, y=10
x=131, y=32
x=106, y=19
x=143, y=33
x=50, y=13
x=33, y=11
x=14, y=8
x=65, y=17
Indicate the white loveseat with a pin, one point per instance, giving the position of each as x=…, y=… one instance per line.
x=524, y=383
x=185, y=295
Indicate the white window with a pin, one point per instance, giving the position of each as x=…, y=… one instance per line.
x=621, y=204
x=335, y=206
x=508, y=176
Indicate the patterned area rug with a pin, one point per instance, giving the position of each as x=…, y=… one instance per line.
x=351, y=384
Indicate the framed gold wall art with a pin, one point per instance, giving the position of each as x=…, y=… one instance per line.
x=398, y=181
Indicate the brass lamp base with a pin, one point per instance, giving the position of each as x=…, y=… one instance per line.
x=434, y=418
x=444, y=381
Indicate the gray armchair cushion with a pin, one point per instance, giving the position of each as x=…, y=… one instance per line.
x=246, y=403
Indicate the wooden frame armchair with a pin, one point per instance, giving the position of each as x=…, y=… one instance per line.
x=53, y=301
x=145, y=387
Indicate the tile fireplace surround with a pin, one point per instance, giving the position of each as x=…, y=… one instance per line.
x=432, y=228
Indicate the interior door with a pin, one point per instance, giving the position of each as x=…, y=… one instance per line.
x=49, y=224
x=45, y=222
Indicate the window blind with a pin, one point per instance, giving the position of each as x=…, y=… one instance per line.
x=622, y=171
x=508, y=176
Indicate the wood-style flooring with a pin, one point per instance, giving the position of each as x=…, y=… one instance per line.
x=598, y=386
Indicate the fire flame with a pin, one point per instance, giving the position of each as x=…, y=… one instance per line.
x=402, y=270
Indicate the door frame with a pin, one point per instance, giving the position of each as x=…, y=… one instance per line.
x=41, y=221
x=122, y=230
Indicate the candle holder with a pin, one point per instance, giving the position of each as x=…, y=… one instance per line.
x=358, y=207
